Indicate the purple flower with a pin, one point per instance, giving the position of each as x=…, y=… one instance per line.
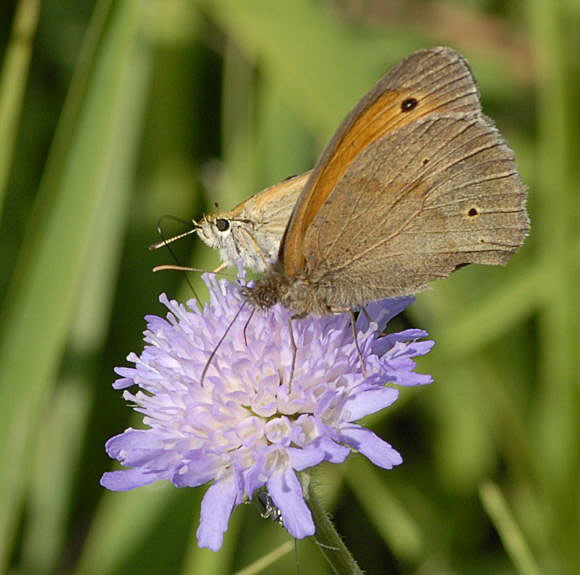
x=243, y=421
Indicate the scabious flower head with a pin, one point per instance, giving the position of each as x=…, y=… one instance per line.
x=245, y=412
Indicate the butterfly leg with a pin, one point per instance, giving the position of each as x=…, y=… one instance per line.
x=353, y=328
x=294, y=351
x=222, y=266
x=246, y=327
x=220, y=341
x=358, y=350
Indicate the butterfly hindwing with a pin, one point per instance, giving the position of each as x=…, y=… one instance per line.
x=418, y=203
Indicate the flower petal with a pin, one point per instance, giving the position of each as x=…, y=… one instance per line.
x=381, y=312
x=370, y=401
x=371, y=446
x=322, y=449
x=216, y=508
x=200, y=468
x=126, y=479
x=286, y=493
x=143, y=449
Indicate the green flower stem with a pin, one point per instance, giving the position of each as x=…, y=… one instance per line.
x=328, y=539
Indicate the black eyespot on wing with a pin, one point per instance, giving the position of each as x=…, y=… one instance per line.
x=222, y=225
x=473, y=212
x=409, y=104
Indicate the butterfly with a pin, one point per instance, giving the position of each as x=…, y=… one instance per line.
x=415, y=183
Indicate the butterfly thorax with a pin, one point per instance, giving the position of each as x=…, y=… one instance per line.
x=267, y=291
x=297, y=294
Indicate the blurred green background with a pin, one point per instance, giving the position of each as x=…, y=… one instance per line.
x=115, y=113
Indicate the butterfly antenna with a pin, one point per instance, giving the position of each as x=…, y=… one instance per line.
x=172, y=239
x=165, y=242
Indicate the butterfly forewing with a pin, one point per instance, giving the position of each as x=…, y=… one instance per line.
x=427, y=82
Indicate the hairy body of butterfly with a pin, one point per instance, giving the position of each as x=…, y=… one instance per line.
x=416, y=183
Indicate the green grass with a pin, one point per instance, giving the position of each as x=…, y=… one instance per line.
x=113, y=114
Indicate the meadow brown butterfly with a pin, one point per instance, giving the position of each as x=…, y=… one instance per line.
x=415, y=183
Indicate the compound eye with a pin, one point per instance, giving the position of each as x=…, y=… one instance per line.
x=222, y=225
